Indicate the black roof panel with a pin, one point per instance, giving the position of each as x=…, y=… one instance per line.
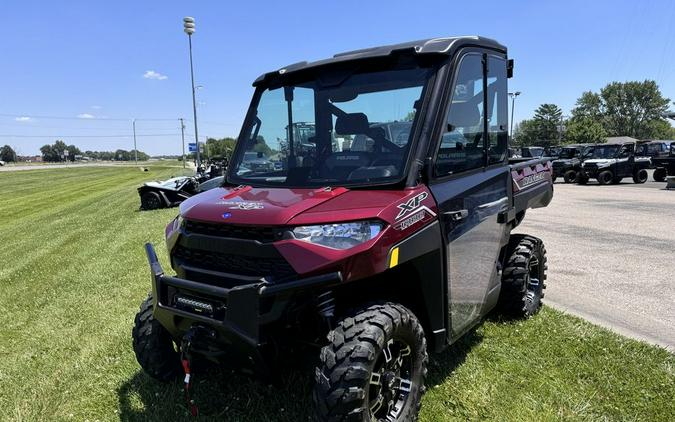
x=444, y=46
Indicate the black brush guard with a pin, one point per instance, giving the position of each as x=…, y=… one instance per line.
x=233, y=316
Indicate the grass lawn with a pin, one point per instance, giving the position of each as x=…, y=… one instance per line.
x=73, y=272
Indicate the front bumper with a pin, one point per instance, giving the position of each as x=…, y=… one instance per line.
x=234, y=315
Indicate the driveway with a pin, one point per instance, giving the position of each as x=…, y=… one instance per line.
x=612, y=256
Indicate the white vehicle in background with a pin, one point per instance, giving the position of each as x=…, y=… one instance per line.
x=2, y=163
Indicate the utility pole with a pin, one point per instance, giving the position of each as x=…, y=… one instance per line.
x=189, y=28
x=513, y=96
x=182, y=136
x=133, y=124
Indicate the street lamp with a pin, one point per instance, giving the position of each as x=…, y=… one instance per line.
x=189, y=28
x=513, y=96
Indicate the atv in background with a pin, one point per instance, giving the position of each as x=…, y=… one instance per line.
x=610, y=163
x=171, y=192
x=569, y=162
x=370, y=257
x=664, y=165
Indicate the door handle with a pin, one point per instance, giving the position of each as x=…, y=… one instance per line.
x=457, y=215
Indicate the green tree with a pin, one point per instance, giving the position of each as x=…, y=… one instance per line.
x=547, y=121
x=525, y=133
x=584, y=129
x=72, y=152
x=589, y=105
x=7, y=154
x=632, y=107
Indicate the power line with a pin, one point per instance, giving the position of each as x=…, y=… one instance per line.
x=91, y=119
x=88, y=136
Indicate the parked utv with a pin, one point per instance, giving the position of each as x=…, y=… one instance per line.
x=376, y=255
x=664, y=166
x=569, y=162
x=610, y=163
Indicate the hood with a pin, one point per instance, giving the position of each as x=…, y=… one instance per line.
x=600, y=161
x=563, y=161
x=283, y=206
x=248, y=205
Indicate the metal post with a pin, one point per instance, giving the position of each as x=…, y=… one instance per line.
x=513, y=96
x=133, y=123
x=194, y=100
x=182, y=136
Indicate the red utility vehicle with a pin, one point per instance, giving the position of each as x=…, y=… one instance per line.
x=383, y=233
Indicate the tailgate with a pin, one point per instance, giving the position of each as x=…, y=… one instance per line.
x=532, y=184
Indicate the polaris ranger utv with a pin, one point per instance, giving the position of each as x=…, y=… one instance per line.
x=610, y=163
x=664, y=165
x=375, y=255
x=569, y=162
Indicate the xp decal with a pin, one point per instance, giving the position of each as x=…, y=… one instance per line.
x=411, y=205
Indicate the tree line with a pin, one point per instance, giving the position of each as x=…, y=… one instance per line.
x=56, y=153
x=632, y=109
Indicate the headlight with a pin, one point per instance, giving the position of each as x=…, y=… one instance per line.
x=339, y=235
x=177, y=222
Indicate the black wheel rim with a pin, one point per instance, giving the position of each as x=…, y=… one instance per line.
x=533, y=292
x=391, y=381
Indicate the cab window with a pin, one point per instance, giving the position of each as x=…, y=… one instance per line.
x=462, y=145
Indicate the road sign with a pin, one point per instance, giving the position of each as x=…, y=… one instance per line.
x=192, y=147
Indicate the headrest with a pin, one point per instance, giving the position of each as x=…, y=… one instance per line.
x=352, y=124
x=464, y=114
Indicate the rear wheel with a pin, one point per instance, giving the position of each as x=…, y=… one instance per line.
x=570, y=176
x=524, y=277
x=151, y=201
x=153, y=345
x=660, y=174
x=373, y=368
x=640, y=176
x=605, y=177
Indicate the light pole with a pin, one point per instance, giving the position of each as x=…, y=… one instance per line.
x=513, y=96
x=189, y=28
x=133, y=124
x=182, y=136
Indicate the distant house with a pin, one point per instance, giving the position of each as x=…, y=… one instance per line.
x=30, y=158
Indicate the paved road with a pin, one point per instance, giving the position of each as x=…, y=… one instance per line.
x=612, y=256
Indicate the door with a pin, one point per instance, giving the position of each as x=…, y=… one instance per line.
x=625, y=161
x=471, y=186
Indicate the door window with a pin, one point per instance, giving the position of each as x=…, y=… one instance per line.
x=462, y=145
x=497, y=110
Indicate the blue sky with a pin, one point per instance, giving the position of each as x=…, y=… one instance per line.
x=88, y=59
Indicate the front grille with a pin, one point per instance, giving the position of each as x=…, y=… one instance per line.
x=274, y=268
x=261, y=234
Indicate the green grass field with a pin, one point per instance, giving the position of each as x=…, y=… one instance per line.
x=73, y=272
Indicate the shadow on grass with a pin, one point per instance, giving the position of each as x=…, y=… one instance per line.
x=224, y=395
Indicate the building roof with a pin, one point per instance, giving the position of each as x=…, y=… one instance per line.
x=439, y=46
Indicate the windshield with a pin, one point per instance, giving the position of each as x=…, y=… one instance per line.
x=605, y=151
x=568, y=153
x=342, y=128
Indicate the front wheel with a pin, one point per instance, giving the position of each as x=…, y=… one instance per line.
x=151, y=201
x=153, y=345
x=570, y=176
x=605, y=177
x=373, y=367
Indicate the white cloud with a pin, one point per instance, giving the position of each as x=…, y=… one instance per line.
x=86, y=116
x=151, y=74
x=23, y=119
x=96, y=107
